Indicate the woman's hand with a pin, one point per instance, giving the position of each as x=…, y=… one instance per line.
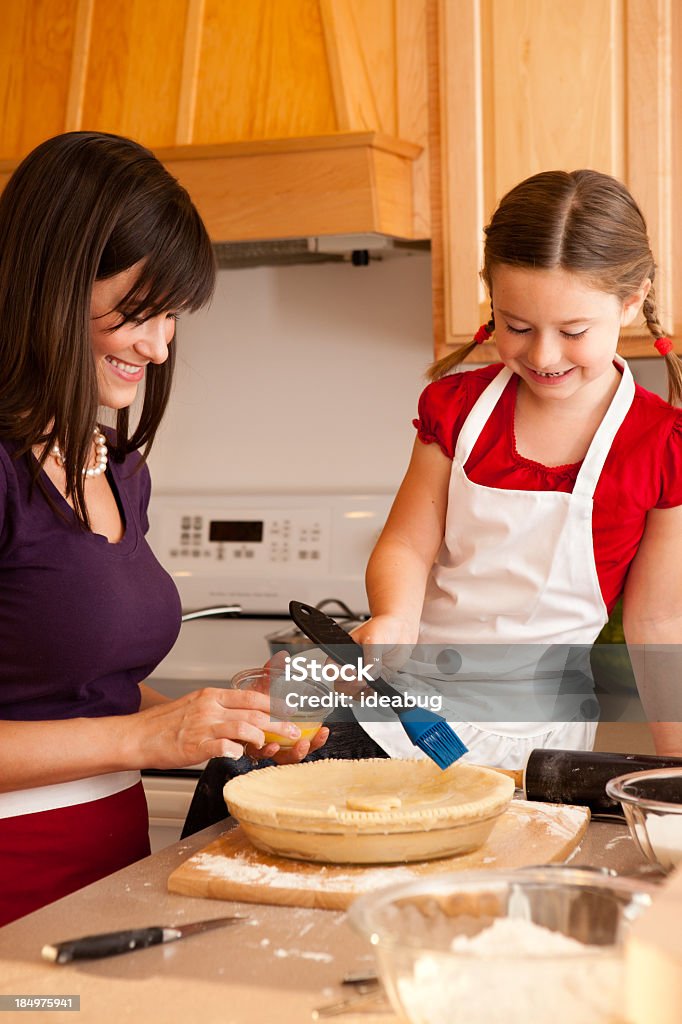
x=212, y=722
x=289, y=755
x=275, y=752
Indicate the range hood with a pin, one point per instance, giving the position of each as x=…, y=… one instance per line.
x=309, y=198
x=359, y=250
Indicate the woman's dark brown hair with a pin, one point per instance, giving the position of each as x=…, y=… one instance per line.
x=83, y=207
x=584, y=222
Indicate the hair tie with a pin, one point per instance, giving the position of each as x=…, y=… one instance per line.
x=663, y=345
x=482, y=334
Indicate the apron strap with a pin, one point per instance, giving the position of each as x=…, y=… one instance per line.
x=593, y=463
x=480, y=414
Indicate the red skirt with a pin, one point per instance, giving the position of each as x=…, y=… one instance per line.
x=48, y=854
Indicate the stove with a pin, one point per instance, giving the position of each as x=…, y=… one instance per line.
x=253, y=553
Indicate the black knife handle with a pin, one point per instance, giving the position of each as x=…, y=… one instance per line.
x=91, y=947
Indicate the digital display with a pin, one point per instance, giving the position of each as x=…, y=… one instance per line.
x=236, y=531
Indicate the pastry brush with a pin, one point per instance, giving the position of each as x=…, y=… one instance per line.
x=426, y=730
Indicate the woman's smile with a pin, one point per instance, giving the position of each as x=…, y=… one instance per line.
x=131, y=372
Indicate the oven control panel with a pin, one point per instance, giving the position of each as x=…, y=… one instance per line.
x=241, y=535
x=259, y=551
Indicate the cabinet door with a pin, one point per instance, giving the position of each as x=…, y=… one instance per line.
x=531, y=85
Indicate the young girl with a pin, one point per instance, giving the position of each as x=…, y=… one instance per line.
x=100, y=251
x=542, y=488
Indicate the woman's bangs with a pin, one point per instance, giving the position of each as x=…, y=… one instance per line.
x=177, y=275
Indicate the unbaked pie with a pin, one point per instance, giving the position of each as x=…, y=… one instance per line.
x=370, y=811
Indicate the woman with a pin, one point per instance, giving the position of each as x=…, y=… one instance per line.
x=100, y=251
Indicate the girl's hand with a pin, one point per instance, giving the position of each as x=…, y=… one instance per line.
x=212, y=722
x=386, y=630
x=387, y=637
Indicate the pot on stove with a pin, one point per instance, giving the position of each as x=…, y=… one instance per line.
x=292, y=640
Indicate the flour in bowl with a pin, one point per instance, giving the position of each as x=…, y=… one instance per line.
x=539, y=976
x=665, y=836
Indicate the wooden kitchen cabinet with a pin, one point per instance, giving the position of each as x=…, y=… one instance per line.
x=282, y=117
x=287, y=118
x=520, y=86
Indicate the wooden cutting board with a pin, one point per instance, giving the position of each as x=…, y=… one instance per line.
x=230, y=868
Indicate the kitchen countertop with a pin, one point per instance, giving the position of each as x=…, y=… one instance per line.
x=275, y=968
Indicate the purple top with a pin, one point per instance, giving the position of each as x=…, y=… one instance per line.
x=82, y=621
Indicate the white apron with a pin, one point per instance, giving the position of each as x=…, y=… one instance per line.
x=515, y=587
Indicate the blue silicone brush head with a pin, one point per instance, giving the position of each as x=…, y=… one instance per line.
x=434, y=736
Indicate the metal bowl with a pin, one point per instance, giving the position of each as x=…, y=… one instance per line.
x=439, y=961
x=291, y=640
x=652, y=804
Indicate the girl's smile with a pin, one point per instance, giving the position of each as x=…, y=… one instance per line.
x=554, y=379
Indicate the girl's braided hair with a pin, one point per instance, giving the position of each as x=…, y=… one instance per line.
x=584, y=222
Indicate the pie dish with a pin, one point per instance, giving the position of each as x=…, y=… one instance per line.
x=374, y=811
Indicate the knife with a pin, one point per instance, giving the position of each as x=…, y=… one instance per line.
x=91, y=947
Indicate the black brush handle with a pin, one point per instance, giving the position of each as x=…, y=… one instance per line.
x=333, y=640
x=326, y=633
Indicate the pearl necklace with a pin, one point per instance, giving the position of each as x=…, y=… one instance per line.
x=101, y=455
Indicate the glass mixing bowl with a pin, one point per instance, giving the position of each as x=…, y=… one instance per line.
x=538, y=946
x=652, y=804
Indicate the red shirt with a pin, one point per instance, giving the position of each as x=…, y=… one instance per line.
x=643, y=470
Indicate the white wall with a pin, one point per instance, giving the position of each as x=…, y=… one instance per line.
x=299, y=378
x=305, y=378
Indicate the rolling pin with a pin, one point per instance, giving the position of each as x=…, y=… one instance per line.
x=579, y=776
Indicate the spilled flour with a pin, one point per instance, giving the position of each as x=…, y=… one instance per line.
x=244, y=869
x=562, y=822
x=325, y=958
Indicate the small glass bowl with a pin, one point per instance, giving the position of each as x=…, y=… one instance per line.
x=289, y=701
x=652, y=805
x=518, y=979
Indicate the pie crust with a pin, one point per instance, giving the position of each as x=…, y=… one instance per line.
x=369, y=811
